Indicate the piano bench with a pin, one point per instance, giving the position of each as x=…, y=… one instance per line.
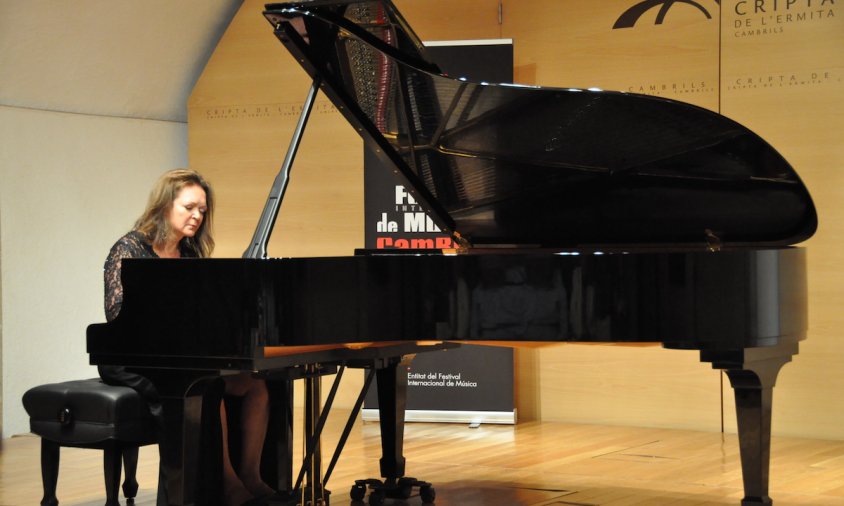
x=90, y=414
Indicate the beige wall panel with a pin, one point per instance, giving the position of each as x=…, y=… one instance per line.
x=322, y=214
x=450, y=19
x=619, y=385
x=783, y=76
x=572, y=44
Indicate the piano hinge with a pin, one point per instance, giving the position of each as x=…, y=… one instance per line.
x=713, y=242
x=462, y=244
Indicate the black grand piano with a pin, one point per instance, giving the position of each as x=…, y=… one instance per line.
x=581, y=215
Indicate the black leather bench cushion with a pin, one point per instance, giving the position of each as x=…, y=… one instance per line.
x=87, y=412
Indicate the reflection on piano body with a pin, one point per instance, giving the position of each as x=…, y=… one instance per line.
x=582, y=215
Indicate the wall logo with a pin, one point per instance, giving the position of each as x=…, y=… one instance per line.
x=755, y=18
x=631, y=16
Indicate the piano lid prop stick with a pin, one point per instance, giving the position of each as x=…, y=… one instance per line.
x=258, y=246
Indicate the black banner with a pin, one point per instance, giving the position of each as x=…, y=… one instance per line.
x=471, y=384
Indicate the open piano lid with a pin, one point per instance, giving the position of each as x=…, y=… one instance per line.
x=523, y=165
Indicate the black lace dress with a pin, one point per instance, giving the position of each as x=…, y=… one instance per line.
x=131, y=245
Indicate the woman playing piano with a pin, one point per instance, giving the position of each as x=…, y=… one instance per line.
x=176, y=224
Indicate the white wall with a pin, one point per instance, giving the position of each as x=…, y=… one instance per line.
x=70, y=185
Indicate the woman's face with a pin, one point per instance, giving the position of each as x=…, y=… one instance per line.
x=188, y=211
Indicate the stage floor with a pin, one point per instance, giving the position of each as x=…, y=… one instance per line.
x=530, y=464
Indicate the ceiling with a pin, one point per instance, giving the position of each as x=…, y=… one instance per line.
x=134, y=59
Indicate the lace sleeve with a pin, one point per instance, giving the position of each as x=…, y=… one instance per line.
x=128, y=246
x=113, y=286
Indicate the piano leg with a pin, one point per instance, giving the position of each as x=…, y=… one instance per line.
x=182, y=441
x=753, y=374
x=277, y=458
x=392, y=399
x=312, y=491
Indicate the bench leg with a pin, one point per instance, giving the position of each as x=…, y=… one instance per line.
x=111, y=468
x=130, y=467
x=49, y=471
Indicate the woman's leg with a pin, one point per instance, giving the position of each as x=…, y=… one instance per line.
x=254, y=416
x=233, y=489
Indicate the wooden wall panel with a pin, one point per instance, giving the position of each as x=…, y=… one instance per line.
x=573, y=44
x=783, y=76
x=452, y=20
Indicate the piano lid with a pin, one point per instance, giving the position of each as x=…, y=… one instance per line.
x=525, y=165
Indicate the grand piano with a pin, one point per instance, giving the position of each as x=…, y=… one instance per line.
x=580, y=215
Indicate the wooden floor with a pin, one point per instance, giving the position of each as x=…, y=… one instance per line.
x=529, y=464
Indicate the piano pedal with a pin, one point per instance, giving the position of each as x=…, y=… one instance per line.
x=400, y=489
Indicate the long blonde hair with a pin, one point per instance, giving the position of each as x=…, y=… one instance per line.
x=153, y=223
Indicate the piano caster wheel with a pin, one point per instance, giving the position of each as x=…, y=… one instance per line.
x=358, y=492
x=400, y=489
x=404, y=488
x=377, y=497
x=427, y=493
